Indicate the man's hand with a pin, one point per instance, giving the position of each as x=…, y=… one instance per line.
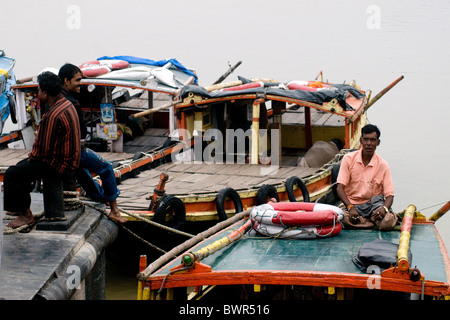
x=378, y=214
x=354, y=215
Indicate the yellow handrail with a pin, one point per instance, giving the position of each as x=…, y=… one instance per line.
x=402, y=252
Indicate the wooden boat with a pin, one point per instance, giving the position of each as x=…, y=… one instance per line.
x=229, y=262
x=122, y=109
x=294, y=117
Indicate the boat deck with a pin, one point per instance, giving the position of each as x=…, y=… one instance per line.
x=151, y=139
x=309, y=262
x=186, y=179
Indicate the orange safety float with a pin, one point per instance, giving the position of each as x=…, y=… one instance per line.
x=298, y=220
x=256, y=84
x=100, y=67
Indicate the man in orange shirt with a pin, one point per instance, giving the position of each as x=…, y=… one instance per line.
x=365, y=185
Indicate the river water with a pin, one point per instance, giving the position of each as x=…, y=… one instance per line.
x=373, y=42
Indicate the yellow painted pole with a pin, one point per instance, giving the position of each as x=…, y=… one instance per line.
x=142, y=266
x=440, y=212
x=146, y=293
x=255, y=133
x=403, y=247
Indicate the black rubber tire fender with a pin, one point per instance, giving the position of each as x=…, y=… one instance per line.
x=173, y=206
x=220, y=202
x=334, y=175
x=290, y=183
x=12, y=109
x=265, y=192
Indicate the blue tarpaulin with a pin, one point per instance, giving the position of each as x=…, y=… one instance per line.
x=160, y=63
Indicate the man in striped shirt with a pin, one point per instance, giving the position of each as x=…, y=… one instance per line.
x=56, y=151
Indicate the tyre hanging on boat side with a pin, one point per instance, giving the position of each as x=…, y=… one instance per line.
x=334, y=175
x=12, y=109
x=233, y=196
x=265, y=192
x=290, y=183
x=172, y=208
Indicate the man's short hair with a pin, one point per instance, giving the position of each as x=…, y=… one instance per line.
x=369, y=128
x=68, y=71
x=50, y=83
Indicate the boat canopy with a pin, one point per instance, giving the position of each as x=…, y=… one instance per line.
x=159, y=63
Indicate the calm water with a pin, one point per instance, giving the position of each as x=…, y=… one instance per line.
x=372, y=42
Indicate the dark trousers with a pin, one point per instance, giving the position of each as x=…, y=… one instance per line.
x=19, y=181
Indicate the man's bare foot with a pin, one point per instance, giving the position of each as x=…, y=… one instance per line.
x=115, y=212
x=24, y=218
x=116, y=216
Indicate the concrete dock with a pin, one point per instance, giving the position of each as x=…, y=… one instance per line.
x=54, y=262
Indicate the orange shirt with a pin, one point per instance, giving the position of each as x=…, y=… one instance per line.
x=362, y=183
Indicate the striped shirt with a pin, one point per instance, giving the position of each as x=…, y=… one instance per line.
x=58, y=137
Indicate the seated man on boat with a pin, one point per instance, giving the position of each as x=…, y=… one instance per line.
x=91, y=161
x=365, y=185
x=320, y=153
x=56, y=152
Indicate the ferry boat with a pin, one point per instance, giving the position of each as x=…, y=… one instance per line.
x=248, y=141
x=127, y=103
x=231, y=262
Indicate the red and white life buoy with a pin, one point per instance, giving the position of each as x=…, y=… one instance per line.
x=306, y=85
x=256, y=84
x=99, y=67
x=306, y=206
x=311, y=219
x=297, y=233
x=297, y=218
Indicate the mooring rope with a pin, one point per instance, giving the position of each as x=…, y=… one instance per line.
x=79, y=201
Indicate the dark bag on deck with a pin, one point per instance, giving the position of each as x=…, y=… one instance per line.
x=379, y=253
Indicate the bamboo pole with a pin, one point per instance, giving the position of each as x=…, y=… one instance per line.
x=382, y=93
x=152, y=267
x=228, y=72
x=402, y=252
x=167, y=105
x=219, y=244
x=440, y=212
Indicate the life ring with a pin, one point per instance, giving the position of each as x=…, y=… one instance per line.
x=174, y=207
x=222, y=196
x=296, y=218
x=256, y=84
x=282, y=215
x=112, y=64
x=290, y=182
x=12, y=109
x=298, y=86
x=297, y=233
x=92, y=71
x=265, y=192
x=99, y=67
x=305, y=206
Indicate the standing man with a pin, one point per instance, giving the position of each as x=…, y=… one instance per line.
x=365, y=185
x=91, y=161
x=56, y=152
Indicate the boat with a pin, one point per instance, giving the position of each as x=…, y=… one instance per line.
x=128, y=111
x=232, y=262
x=246, y=142
x=7, y=79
